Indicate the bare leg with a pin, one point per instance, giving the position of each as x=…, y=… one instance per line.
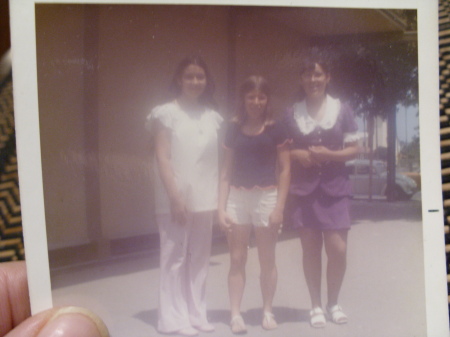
x=266, y=239
x=336, y=249
x=238, y=240
x=312, y=242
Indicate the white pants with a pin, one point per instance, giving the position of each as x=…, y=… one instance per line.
x=185, y=252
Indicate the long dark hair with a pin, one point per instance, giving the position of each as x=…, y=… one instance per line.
x=254, y=82
x=206, y=97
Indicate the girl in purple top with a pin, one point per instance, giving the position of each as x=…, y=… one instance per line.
x=254, y=182
x=324, y=135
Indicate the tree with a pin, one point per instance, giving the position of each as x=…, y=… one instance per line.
x=410, y=153
x=375, y=74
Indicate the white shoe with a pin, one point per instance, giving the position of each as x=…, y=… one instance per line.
x=189, y=331
x=317, y=318
x=205, y=327
x=337, y=315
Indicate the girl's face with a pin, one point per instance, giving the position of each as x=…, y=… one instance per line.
x=193, y=81
x=314, y=82
x=255, y=103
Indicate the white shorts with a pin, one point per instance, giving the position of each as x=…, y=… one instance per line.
x=251, y=207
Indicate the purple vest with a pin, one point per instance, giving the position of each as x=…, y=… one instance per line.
x=331, y=177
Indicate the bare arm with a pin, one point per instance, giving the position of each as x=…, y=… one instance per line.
x=224, y=187
x=284, y=177
x=303, y=157
x=163, y=156
x=321, y=153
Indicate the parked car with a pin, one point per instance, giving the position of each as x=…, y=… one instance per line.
x=359, y=170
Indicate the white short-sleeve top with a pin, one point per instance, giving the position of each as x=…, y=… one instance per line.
x=194, y=156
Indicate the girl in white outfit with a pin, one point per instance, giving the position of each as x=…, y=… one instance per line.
x=186, y=148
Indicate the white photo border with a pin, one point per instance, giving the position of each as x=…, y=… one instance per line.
x=29, y=153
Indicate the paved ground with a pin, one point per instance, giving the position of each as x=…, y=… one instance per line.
x=383, y=292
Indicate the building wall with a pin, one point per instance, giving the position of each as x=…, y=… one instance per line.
x=270, y=49
x=61, y=66
x=101, y=68
x=139, y=49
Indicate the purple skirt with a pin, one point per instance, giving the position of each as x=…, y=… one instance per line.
x=318, y=211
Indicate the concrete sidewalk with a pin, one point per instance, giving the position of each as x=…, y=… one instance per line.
x=383, y=292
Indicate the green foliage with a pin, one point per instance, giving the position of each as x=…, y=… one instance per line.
x=410, y=153
x=376, y=76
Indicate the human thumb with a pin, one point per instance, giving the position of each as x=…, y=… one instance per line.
x=61, y=322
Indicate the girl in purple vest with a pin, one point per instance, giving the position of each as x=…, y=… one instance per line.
x=254, y=182
x=325, y=136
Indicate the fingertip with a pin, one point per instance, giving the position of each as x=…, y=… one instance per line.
x=14, y=298
x=74, y=322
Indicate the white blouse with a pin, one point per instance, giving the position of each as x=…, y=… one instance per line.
x=194, y=157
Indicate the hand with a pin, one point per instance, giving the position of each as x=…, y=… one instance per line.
x=16, y=319
x=179, y=211
x=225, y=222
x=276, y=218
x=319, y=153
x=305, y=158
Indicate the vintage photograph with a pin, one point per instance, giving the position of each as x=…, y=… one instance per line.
x=223, y=169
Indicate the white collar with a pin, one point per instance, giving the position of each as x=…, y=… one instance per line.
x=307, y=124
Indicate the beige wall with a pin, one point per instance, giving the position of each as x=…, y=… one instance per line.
x=60, y=69
x=139, y=49
x=101, y=68
x=270, y=49
x=96, y=144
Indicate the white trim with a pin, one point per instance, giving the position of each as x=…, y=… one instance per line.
x=306, y=124
x=351, y=137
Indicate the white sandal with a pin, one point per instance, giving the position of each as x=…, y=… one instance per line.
x=317, y=318
x=238, y=325
x=269, y=322
x=188, y=332
x=207, y=327
x=337, y=315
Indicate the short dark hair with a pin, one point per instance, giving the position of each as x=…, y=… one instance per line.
x=254, y=82
x=308, y=60
x=207, y=97
x=315, y=55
